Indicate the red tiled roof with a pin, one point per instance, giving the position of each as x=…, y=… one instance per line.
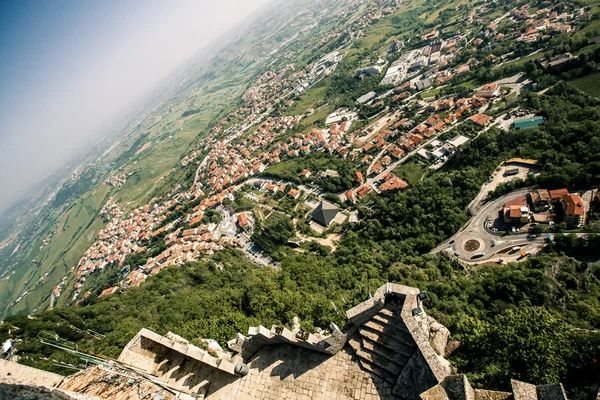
x=573, y=204
x=558, y=193
x=242, y=219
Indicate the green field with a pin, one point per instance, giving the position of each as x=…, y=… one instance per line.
x=411, y=171
x=431, y=93
x=312, y=98
x=589, y=84
x=74, y=231
x=434, y=15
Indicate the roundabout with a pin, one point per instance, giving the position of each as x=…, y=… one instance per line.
x=472, y=245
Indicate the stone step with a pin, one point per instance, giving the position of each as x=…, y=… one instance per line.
x=392, y=321
x=382, y=373
x=405, y=347
x=380, y=361
x=391, y=328
x=393, y=317
x=394, y=356
x=389, y=331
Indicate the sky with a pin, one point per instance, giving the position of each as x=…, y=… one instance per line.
x=69, y=67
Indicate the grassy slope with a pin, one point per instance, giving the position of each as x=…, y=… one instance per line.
x=79, y=226
x=589, y=84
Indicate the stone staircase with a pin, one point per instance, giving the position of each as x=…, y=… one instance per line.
x=383, y=344
x=457, y=387
x=183, y=374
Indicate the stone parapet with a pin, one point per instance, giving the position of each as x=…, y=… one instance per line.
x=260, y=336
x=141, y=350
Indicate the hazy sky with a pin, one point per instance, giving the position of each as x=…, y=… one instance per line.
x=66, y=68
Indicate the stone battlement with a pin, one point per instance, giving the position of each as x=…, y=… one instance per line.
x=261, y=336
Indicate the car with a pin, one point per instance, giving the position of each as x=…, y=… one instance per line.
x=452, y=241
x=456, y=254
x=493, y=243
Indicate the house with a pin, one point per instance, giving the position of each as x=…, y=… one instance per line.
x=488, y=91
x=480, y=119
x=464, y=102
x=349, y=196
x=358, y=177
x=446, y=104
x=392, y=182
x=325, y=213
x=196, y=220
x=462, y=68
x=416, y=138
x=478, y=101
x=557, y=194
x=574, y=210
x=363, y=191
x=242, y=220
x=516, y=211
x=294, y=194
x=431, y=120
x=304, y=173
x=439, y=126
x=407, y=144
x=429, y=132
x=377, y=168
x=540, y=199
x=398, y=153
x=516, y=214
x=271, y=187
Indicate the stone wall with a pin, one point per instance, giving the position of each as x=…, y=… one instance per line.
x=11, y=372
x=142, y=351
x=260, y=336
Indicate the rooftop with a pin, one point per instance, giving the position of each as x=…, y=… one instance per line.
x=325, y=213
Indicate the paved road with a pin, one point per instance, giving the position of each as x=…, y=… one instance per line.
x=475, y=229
x=490, y=244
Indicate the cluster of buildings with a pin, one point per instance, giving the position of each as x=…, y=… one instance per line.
x=128, y=234
x=440, y=151
x=228, y=163
x=268, y=88
x=231, y=156
x=321, y=68
x=120, y=238
x=544, y=206
x=117, y=181
x=570, y=205
x=543, y=23
x=410, y=63
x=330, y=139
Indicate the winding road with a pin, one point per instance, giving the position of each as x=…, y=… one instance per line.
x=490, y=243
